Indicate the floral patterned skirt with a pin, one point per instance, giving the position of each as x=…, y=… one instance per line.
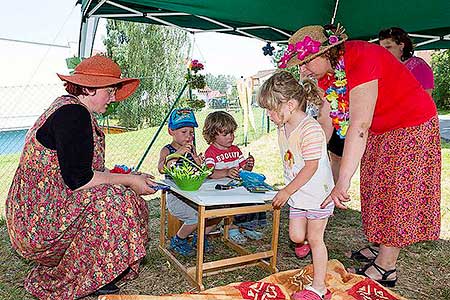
x=401, y=185
x=108, y=235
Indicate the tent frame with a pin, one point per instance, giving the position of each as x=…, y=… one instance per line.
x=90, y=22
x=87, y=30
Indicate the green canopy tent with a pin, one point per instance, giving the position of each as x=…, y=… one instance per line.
x=427, y=21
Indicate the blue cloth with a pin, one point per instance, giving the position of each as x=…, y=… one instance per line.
x=252, y=180
x=182, y=117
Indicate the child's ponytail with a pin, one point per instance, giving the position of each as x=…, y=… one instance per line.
x=312, y=93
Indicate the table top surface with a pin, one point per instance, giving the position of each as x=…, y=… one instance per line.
x=207, y=195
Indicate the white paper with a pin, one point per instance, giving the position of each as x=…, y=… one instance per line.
x=207, y=195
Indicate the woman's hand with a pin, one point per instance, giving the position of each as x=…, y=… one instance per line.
x=142, y=184
x=338, y=195
x=233, y=173
x=280, y=199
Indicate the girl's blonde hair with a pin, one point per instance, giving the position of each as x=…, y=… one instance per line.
x=218, y=122
x=282, y=86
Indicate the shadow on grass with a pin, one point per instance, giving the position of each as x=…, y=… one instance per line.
x=422, y=268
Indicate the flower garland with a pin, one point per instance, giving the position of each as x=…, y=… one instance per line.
x=337, y=95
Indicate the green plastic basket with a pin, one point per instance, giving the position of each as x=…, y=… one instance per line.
x=190, y=184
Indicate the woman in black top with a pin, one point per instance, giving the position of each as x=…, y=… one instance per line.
x=83, y=226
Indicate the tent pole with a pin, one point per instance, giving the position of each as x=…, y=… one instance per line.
x=335, y=11
x=161, y=126
x=88, y=28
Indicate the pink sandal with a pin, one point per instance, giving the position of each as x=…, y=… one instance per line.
x=310, y=293
x=302, y=250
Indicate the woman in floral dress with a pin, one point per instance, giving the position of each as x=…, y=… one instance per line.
x=83, y=226
x=390, y=125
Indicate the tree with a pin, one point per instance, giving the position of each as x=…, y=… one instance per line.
x=220, y=82
x=441, y=70
x=155, y=54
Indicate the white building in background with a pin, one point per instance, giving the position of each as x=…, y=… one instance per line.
x=28, y=81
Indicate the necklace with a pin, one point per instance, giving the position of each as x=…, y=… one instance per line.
x=337, y=95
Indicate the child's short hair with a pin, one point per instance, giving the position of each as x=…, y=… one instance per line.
x=282, y=86
x=218, y=122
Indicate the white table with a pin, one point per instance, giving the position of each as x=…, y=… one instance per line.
x=206, y=200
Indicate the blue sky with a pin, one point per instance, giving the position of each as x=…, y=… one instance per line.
x=57, y=22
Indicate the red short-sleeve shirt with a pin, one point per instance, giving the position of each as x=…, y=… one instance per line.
x=401, y=102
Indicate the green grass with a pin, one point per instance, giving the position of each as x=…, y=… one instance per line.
x=444, y=111
x=423, y=267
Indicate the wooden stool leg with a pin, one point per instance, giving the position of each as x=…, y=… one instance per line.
x=162, y=229
x=227, y=221
x=173, y=224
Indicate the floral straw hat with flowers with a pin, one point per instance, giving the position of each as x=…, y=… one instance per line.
x=310, y=42
x=99, y=72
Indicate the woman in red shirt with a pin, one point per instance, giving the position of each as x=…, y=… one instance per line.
x=390, y=125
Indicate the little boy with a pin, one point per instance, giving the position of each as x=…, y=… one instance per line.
x=227, y=159
x=181, y=127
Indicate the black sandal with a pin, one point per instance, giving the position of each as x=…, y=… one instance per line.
x=384, y=274
x=358, y=256
x=110, y=288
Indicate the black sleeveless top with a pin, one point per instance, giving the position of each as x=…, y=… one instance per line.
x=179, y=161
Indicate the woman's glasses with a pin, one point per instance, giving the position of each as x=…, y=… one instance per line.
x=111, y=91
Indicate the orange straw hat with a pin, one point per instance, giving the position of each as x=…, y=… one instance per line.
x=98, y=72
x=309, y=42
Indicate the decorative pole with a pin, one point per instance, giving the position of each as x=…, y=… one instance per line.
x=194, y=81
x=161, y=126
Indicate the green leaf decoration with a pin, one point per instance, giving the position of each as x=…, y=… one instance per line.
x=72, y=62
x=110, y=109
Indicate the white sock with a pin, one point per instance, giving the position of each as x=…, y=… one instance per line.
x=310, y=288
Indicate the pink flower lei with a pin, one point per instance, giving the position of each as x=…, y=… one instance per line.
x=337, y=95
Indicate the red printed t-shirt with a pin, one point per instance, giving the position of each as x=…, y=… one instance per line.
x=401, y=102
x=224, y=159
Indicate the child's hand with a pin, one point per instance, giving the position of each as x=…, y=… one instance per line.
x=186, y=149
x=199, y=159
x=233, y=173
x=250, y=162
x=280, y=199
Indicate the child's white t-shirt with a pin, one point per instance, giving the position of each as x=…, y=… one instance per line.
x=306, y=142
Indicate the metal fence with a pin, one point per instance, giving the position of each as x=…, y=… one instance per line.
x=22, y=105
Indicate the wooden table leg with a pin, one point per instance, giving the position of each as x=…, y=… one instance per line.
x=162, y=229
x=200, y=246
x=275, y=233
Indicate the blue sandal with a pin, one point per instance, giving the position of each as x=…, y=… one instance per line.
x=206, y=246
x=252, y=234
x=236, y=236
